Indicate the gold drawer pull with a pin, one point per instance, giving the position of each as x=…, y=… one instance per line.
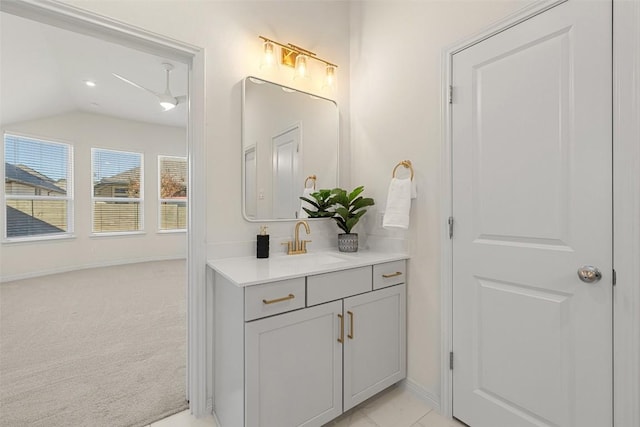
x=397, y=273
x=273, y=301
x=351, y=327
x=341, y=339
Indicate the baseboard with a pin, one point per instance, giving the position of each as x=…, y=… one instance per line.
x=215, y=417
x=40, y=273
x=427, y=396
x=210, y=408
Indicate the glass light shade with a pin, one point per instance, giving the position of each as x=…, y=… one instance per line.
x=167, y=105
x=301, y=68
x=329, y=77
x=268, y=55
x=167, y=102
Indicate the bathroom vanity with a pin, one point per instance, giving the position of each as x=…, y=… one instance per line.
x=300, y=339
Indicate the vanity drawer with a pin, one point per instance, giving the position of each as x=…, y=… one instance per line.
x=340, y=284
x=389, y=274
x=273, y=298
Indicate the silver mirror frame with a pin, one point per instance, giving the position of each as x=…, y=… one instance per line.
x=242, y=147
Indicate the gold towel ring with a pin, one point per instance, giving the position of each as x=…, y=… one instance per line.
x=312, y=178
x=406, y=164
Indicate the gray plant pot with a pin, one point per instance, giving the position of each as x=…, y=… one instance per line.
x=348, y=242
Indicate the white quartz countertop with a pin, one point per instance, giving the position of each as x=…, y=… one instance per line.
x=247, y=271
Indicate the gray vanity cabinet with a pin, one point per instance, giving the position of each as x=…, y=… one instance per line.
x=305, y=364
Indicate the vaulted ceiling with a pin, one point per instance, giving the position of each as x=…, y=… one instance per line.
x=43, y=70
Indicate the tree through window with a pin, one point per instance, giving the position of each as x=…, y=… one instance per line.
x=173, y=192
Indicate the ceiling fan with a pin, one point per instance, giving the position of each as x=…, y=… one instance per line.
x=166, y=99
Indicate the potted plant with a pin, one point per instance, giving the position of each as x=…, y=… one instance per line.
x=322, y=200
x=348, y=209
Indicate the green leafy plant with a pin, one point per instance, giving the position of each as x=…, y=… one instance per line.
x=322, y=200
x=349, y=207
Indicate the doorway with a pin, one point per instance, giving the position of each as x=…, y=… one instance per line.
x=532, y=223
x=77, y=20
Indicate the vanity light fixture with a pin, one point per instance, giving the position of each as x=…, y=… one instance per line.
x=298, y=58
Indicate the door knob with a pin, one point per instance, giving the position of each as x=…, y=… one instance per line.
x=589, y=274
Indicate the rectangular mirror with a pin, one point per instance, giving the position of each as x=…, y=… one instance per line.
x=288, y=137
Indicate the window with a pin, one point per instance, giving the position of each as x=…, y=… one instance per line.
x=38, y=187
x=172, y=177
x=117, y=191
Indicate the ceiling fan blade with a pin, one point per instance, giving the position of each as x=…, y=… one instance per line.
x=134, y=84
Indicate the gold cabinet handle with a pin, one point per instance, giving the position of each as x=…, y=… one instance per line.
x=341, y=339
x=351, y=327
x=273, y=301
x=397, y=273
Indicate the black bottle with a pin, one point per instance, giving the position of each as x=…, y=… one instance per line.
x=262, y=246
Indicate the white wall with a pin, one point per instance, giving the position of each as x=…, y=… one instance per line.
x=228, y=31
x=396, y=49
x=85, y=131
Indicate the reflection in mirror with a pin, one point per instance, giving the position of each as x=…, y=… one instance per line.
x=287, y=136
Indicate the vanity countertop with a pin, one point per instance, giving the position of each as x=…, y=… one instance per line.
x=247, y=271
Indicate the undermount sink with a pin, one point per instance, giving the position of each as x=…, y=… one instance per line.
x=309, y=259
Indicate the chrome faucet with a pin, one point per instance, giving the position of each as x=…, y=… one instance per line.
x=298, y=246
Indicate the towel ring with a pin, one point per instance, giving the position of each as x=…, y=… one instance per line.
x=406, y=164
x=310, y=178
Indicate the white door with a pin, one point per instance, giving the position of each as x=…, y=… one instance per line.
x=287, y=187
x=293, y=368
x=374, y=345
x=532, y=200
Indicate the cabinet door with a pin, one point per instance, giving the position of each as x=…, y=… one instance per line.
x=293, y=366
x=375, y=343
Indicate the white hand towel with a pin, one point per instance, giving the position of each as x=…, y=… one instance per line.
x=398, y=204
x=306, y=193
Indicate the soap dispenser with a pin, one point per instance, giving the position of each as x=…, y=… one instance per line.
x=262, y=245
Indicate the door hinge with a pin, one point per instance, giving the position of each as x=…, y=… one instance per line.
x=451, y=360
x=450, y=222
x=615, y=278
x=450, y=94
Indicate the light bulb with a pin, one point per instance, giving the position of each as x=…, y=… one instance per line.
x=329, y=77
x=167, y=102
x=301, y=70
x=167, y=106
x=269, y=55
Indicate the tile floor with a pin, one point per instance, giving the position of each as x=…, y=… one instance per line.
x=395, y=407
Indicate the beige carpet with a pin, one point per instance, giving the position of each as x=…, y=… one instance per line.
x=97, y=347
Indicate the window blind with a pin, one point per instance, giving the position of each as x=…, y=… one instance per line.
x=117, y=191
x=38, y=178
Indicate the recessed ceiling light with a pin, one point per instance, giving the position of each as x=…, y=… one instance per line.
x=90, y=83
